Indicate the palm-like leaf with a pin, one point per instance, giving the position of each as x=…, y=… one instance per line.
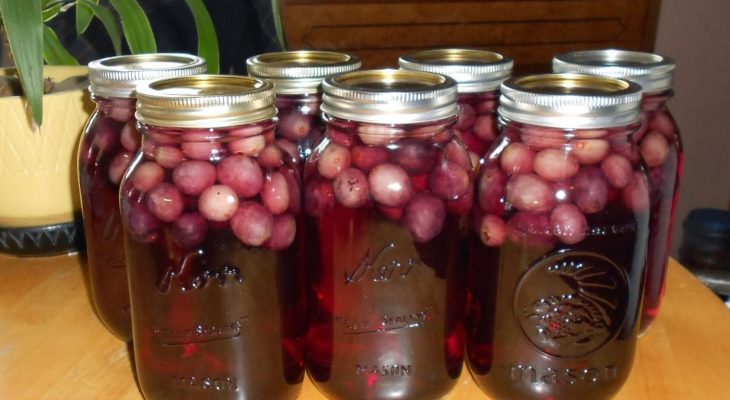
x=24, y=27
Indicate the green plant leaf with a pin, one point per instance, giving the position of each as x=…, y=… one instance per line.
x=51, y=11
x=24, y=27
x=84, y=15
x=207, y=38
x=108, y=19
x=278, y=25
x=53, y=50
x=136, y=26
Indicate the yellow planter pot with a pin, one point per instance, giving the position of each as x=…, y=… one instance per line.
x=38, y=177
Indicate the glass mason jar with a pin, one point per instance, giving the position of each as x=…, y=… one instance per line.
x=387, y=195
x=478, y=74
x=108, y=144
x=660, y=146
x=297, y=77
x=209, y=210
x=557, y=261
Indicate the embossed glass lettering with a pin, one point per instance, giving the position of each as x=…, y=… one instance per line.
x=380, y=268
x=201, y=333
x=383, y=370
x=196, y=261
x=205, y=383
x=525, y=374
x=354, y=326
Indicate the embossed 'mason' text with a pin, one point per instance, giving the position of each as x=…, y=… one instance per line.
x=195, y=383
x=526, y=374
x=383, y=370
x=382, y=266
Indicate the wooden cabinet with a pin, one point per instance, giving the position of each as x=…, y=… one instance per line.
x=530, y=32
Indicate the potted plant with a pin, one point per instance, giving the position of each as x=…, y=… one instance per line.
x=39, y=130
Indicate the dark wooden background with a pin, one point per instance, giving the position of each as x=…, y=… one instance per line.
x=530, y=32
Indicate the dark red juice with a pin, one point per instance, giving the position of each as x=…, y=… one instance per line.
x=106, y=149
x=557, y=255
x=387, y=210
x=557, y=321
x=661, y=148
x=212, y=239
x=188, y=345
x=386, y=313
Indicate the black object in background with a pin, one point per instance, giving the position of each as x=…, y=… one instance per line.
x=705, y=248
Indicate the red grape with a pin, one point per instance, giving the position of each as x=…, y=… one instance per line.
x=252, y=223
x=283, y=232
x=568, y=223
x=119, y=165
x=294, y=126
x=189, y=230
x=590, y=189
x=168, y=156
x=415, y=156
x=617, y=170
x=192, y=177
x=366, y=157
x=491, y=190
x=449, y=180
x=165, y=202
x=250, y=146
x=319, y=197
x=555, y=165
x=275, y=193
x=589, y=151
x=517, y=158
x=390, y=185
x=333, y=159
x=147, y=175
x=218, y=203
x=492, y=230
x=201, y=150
x=351, y=188
x=485, y=127
x=654, y=149
x=424, y=217
x=242, y=174
x=130, y=137
x=529, y=192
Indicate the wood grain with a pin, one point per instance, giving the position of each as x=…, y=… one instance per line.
x=52, y=346
x=529, y=31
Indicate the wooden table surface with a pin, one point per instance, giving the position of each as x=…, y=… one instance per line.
x=52, y=346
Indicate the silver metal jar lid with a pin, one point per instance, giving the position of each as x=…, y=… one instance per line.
x=390, y=96
x=652, y=71
x=572, y=101
x=473, y=70
x=205, y=101
x=118, y=76
x=302, y=71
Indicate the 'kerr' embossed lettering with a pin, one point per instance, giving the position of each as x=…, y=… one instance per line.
x=382, y=266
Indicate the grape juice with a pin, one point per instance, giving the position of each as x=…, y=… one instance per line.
x=222, y=320
x=557, y=320
x=212, y=241
x=106, y=150
x=387, y=319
